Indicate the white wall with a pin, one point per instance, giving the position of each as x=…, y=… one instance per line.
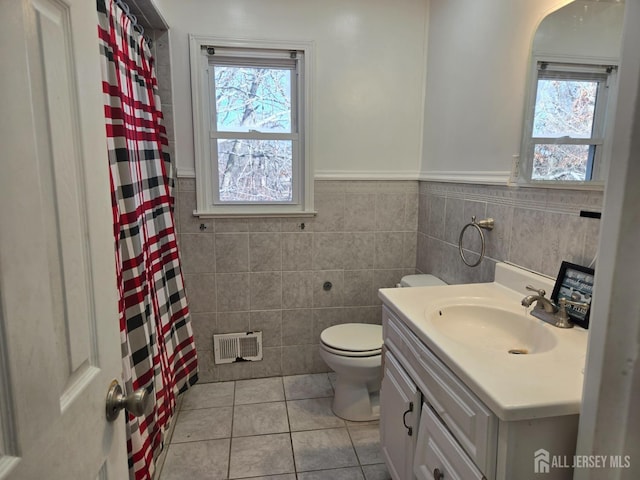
x=478, y=59
x=582, y=29
x=369, y=75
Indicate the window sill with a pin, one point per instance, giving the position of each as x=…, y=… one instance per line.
x=593, y=185
x=267, y=213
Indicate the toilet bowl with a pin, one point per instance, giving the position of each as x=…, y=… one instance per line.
x=354, y=352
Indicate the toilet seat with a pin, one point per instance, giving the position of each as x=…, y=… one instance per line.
x=353, y=339
x=348, y=353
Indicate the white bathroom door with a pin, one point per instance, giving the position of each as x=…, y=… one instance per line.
x=59, y=341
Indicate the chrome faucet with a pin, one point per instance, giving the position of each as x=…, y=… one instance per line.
x=542, y=302
x=548, y=311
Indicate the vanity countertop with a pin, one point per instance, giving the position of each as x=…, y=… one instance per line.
x=546, y=383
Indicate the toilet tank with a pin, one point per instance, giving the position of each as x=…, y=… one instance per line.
x=423, y=280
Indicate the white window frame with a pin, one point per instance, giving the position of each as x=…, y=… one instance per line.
x=601, y=137
x=207, y=193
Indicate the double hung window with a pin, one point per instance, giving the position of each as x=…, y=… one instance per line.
x=250, y=107
x=565, y=136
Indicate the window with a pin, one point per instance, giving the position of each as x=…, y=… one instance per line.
x=250, y=123
x=565, y=138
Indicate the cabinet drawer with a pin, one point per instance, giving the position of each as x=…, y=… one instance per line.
x=437, y=450
x=471, y=422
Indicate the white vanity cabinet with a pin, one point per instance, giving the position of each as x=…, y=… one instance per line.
x=453, y=435
x=399, y=417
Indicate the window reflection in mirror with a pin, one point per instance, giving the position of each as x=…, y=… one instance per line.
x=571, y=97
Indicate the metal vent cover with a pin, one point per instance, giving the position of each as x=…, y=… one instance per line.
x=237, y=347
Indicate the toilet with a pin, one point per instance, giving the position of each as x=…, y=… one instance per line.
x=354, y=352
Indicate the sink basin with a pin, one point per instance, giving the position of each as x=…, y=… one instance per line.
x=490, y=327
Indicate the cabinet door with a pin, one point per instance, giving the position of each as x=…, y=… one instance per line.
x=399, y=418
x=438, y=455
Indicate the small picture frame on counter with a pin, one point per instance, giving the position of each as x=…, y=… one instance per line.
x=575, y=284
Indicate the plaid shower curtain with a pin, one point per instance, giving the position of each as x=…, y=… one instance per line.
x=155, y=330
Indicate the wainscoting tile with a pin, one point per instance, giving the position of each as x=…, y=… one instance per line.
x=334, y=297
x=526, y=238
x=270, y=323
x=270, y=365
x=359, y=212
x=330, y=207
x=197, y=253
x=266, y=290
x=453, y=219
x=265, y=252
x=359, y=250
x=201, y=292
x=358, y=287
x=297, y=327
x=296, y=251
x=233, y=291
x=390, y=212
x=297, y=289
x=389, y=250
x=563, y=239
x=298, y=359
x=232, y=252
x=186, y=204
x=328, y=251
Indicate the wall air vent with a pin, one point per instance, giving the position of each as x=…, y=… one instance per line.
x=237, y=347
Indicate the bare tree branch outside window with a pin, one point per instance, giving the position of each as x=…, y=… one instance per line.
x=254, y=100
x=563, y=109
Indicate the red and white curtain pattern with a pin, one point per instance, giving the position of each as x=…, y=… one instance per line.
x=155, y=329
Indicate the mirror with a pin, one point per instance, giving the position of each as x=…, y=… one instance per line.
x=571, y=100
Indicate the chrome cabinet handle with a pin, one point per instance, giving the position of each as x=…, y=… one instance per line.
x=437, y=474
x=404, y=419
x=136, y=403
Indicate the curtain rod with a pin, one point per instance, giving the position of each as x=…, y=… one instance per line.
x=134, y=20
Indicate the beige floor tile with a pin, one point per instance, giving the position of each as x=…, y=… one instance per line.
x=261, y=455
x=286, y=476
x=204, y=460
x=366, y=441
x=317, y=449
x=260, y=419
x=351, y=473
x=259, y=391
x=376, y=472
x=209, y=395
x=312, y=414
x=203, y=424
x=298, y=387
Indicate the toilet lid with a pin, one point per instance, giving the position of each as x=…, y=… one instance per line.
x=353, y=337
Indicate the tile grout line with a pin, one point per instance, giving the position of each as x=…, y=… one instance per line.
x=233, y=412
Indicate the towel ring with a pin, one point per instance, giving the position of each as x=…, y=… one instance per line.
x=486, y=224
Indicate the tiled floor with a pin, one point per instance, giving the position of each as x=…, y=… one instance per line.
x=272, y=428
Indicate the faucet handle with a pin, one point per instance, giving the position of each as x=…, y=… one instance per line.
x=539, y=291
x=563, y=317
